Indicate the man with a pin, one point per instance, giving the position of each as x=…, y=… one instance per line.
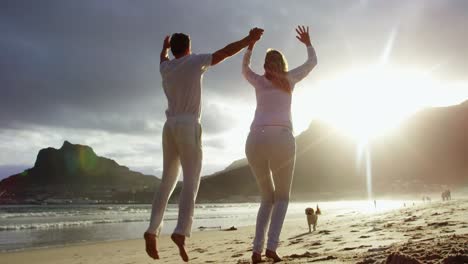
x=181, y=78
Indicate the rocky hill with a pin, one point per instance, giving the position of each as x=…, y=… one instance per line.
x=76, y=172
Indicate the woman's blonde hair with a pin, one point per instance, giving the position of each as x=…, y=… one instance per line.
x=276, y=69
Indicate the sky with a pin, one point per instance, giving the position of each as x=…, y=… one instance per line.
x=87, y=71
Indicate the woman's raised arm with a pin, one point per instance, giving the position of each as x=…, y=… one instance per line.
x=302, y=71
x=249, y=75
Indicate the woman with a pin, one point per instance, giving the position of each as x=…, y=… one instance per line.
x=271, y=147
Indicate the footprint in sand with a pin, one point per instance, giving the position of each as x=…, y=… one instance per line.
x=364, y=236
x=306, y=254
x=378, y=249
x=297, y=241
x=325, y=232
x=438, y=224
x=348, y=248
x=237, y=255
x=237, y=242
x=447, y=231
x=410, y=219
x=200, y=250
x=323, y=259
x=375, y=229
x=364, y=246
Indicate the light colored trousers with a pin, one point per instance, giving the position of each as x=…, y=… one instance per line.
x=181, y=146
x=271, y=152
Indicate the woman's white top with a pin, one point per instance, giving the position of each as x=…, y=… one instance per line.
x=274, y=104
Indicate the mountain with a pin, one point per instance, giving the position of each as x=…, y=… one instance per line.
x=426, y=154
x=76, y=172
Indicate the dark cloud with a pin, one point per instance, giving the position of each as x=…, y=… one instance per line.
x=92, y=56
x=93, y=65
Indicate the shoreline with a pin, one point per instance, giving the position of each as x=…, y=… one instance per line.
x=121, y=224
x=346, y=238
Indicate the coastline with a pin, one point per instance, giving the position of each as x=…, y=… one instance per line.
x=349, y=238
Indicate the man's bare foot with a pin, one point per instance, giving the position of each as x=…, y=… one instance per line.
x=273, y=255
x=150, y=244
x=179, y=240
x=256, y=258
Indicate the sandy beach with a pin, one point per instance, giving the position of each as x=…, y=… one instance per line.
x=434, y=232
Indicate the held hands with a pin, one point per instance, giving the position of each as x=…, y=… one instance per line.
x=167, y=43
x=303, y=35
x=255, y=34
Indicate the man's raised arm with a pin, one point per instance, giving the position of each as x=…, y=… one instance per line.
x=235, y=47
x=164, y=52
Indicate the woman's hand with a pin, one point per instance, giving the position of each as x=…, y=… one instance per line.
x=251, y=45
x=303, y=35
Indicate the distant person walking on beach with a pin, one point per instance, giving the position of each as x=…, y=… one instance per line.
x=312, y=218
x=446, y=195
x=271, y=147
x=181, y=138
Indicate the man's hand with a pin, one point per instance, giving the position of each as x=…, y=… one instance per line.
x=166, y=46
x=233, y=48
x=255, y=34
x=167, y=42
x=303, y=35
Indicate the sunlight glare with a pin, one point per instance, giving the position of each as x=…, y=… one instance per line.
x=370, y=102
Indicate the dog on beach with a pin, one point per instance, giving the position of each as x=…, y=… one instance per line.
x=312, y=217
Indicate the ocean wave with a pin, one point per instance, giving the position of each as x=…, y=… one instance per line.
x=56, y=214
x=215, y=206
x=40, y=214
x=66, y=224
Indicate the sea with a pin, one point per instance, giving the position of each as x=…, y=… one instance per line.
x=37, y=226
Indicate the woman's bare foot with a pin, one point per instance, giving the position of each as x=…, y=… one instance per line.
x=256, y=258
x=150, y=244
x=179, y=240
x=273, y=255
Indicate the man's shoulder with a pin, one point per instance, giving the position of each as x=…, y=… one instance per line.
x=202, y=56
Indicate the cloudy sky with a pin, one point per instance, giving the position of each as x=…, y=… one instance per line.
x=87, y=71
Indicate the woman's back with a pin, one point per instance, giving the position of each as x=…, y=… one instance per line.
x=273, y=106
x=274, y=103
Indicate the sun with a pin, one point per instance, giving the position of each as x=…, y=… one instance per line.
x=366, y=103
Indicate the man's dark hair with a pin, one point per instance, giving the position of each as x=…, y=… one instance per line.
x=179, y=43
